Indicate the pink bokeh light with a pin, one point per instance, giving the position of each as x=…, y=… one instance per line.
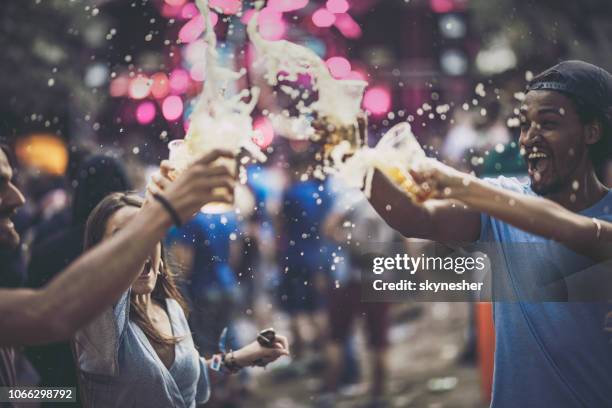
x=271, y=24
x=172, y=107
x=119, y=86
x=193, y=29
x=347, y=26
x=160, y=86
x=323, y=18
x=285, y=6
x=189, y=11
x=337, y=6
x=265, y=132
x=445, y=6
x=246, y=16
x=140, y=87
x=175, y=2
x=145, y=113
x=377, y=100
x=169, y=11
x=339, y=67
x=227, y=6
x=179, y=81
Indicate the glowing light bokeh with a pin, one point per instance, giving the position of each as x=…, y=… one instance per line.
x=179, y=81
x=145, y=113
x=347, y=26
x=161, y=85
x=193, y=29
x=96, y=75
x=339, y=67
x=337, y=6
x=140, y=87
x=246, y=16
x=189, y=11
x=119, y=86
x=169, y=11
x=454, y=62
x=227, y=6
x=265, y=132
x=172, y=107
x=271, y=24
x=444, y=6
x=46, y=152
x=285, y=6
x=377, y=100
x=323, y=18
x=175, y=2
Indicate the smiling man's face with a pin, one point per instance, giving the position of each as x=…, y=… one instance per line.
x=10, y=200
x=553, y=140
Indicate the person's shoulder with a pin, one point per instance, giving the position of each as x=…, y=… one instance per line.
x=509, y=183
x=177, y=316
x=174, y=307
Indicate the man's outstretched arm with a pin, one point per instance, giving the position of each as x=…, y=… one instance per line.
x=98, y=278
x=85, y=288
x=444, y=221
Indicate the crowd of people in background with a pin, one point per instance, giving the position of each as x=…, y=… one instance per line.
x=284, y=251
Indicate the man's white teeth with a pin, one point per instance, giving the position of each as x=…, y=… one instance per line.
x=536, y=155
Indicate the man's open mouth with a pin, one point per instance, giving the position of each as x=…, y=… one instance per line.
x=537, y=161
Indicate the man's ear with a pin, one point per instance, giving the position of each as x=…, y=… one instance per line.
x=593, y=132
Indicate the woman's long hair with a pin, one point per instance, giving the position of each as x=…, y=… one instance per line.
x=165, y=286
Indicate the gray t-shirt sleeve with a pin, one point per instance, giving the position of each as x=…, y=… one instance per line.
x=97, y=345
x=487, y=233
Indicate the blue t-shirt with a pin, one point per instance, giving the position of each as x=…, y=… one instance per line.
x=306, y=204
x=210, y=235
x=264, y=186
x=547, y=354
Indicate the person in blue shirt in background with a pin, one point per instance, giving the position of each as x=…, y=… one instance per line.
x=304, y=252
x=207, y=249
x=258, y=271
x=207, y=245
x=548, y=354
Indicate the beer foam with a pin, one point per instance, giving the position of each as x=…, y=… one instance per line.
x=339, y=101
x=219, y=121
x=395, y=154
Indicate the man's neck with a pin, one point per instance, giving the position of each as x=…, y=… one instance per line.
x=583, y=191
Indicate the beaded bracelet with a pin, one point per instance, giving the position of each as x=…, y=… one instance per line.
x=230, y=364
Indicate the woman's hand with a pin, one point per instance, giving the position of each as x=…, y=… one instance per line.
x=438, y=180
x=255, y=353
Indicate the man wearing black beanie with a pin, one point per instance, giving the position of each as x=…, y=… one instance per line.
x=548, y=354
